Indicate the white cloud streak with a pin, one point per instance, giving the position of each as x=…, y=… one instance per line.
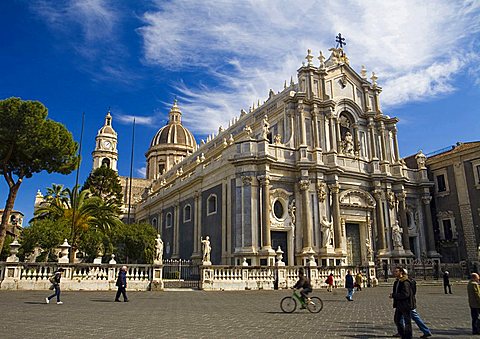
x=251, y=46
x=139, y=120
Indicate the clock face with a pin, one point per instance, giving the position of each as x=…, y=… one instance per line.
x=107, y=144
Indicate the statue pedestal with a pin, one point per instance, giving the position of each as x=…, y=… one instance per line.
x=97, y=260
x=206, y=263
x=158, y=262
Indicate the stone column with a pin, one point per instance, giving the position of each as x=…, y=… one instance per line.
x=266, y=236
x=331, y=126
x=337, y=225
x=431, y=251
x=402, y=212
x=303, y=137
x=382, y=244
x=339, y=135
x=371, y=132
x=196, y=227
x=306, y=216
x=316, y=141
x=356, y=144
x=395, y=144
x=382, y=141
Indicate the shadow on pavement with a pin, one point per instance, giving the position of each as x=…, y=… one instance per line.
x=102, y=300
x=35, y=302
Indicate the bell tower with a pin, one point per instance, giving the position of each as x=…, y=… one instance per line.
x=106, y=153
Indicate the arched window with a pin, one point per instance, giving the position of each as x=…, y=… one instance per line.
x=347, y=134
x=106, y=162
x=155, y=223
x=168, y=220
x=212, y=204
x=187, y=213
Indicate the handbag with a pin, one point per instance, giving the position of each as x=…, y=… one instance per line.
x=51, y=287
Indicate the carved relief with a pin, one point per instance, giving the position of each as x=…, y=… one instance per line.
x=321, y=192
x=304, y=184
x=357, y=198
x=247, y=180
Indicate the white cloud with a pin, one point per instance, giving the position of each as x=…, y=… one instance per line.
x=139, y=120
x=142, y=171
x=415, y=47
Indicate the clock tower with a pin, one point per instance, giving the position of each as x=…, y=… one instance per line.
x=106, y=153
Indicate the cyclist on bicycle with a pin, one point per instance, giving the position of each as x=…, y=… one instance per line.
x=303, y=284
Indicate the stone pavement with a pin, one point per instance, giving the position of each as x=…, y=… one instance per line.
x=244, y=314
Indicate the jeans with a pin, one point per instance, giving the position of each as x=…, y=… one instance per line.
x=421, y=325
x=121, y=290
x=449, y=288
x=57, y=293
x=350, y=292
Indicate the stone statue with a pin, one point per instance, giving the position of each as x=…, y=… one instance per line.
x=327, y=231
x=266, y=127
x=158, y=249
x=348, y=144
x=368, y=246
x=291, y=211
x=206, y=249
x=397, y=235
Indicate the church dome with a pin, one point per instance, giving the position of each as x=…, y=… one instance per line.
x=174, y=132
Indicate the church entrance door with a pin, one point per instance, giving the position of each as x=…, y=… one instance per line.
x=280, y=239
x=354, y=257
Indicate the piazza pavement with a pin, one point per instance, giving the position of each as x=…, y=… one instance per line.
x=225, y=314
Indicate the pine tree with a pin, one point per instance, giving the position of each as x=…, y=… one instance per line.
x=103, y=182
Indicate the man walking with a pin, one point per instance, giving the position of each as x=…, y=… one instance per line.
x=473, y=290
x=349, y=286
x=403, y=302
x=122, y=284
x=446, y=282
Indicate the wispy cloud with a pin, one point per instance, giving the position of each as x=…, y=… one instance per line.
x=142, y=171
x=92, y=27
x=139, y=120
x=249, y=47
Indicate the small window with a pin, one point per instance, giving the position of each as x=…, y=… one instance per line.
x=441, y=186
x=477, y=168
x=168, y=220
x=187, y=213
x=212, y=204
x=447, y=229
x=278, y=209
x=106, y=162
x=154, y=223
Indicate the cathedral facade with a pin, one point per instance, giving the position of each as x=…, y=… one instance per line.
x=314, y=171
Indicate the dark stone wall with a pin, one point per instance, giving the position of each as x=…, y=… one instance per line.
x=167, y=232
x=212, y=224
x=186, y=230
x=474, y=195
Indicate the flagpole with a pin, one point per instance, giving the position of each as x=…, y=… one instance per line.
x=74, y=197
x=131, y=174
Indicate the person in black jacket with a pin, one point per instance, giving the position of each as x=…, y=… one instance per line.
x=303, y=284
x=446, y=282
x=55, y=280
x=349, y=285
x=122, y=284
x=403, y=302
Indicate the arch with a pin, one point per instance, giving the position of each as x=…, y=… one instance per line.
x=187, y=213
x=106, y=162
x=155, y=223
x=350, y=106
x=168, y=219
x=357, y=198
x=212, y=204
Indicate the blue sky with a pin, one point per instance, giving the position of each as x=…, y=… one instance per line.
x=218, y=57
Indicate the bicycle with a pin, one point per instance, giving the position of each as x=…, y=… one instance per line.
x=312, y=304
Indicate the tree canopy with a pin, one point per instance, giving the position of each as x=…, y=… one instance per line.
x=30, y=143
x=103, y=182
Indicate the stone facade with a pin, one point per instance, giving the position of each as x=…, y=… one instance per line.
x=314, y=170
x=456, y=209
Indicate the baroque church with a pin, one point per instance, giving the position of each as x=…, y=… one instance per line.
x=314, y=172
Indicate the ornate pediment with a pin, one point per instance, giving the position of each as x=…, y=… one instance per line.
x=279, y=193
x=357, y=198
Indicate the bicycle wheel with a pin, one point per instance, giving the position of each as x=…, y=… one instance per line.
x=288, y=304
x=315, y=305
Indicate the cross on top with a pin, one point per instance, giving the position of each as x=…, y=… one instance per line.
x=340, y=41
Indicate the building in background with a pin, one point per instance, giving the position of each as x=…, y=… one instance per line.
x=455, y=172
x=15, y=225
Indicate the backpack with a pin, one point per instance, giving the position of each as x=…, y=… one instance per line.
x=53, y=279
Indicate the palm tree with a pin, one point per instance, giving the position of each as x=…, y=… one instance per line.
x=82, y=210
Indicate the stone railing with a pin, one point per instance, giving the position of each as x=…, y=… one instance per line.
x=258, y=278
x=89, y=277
